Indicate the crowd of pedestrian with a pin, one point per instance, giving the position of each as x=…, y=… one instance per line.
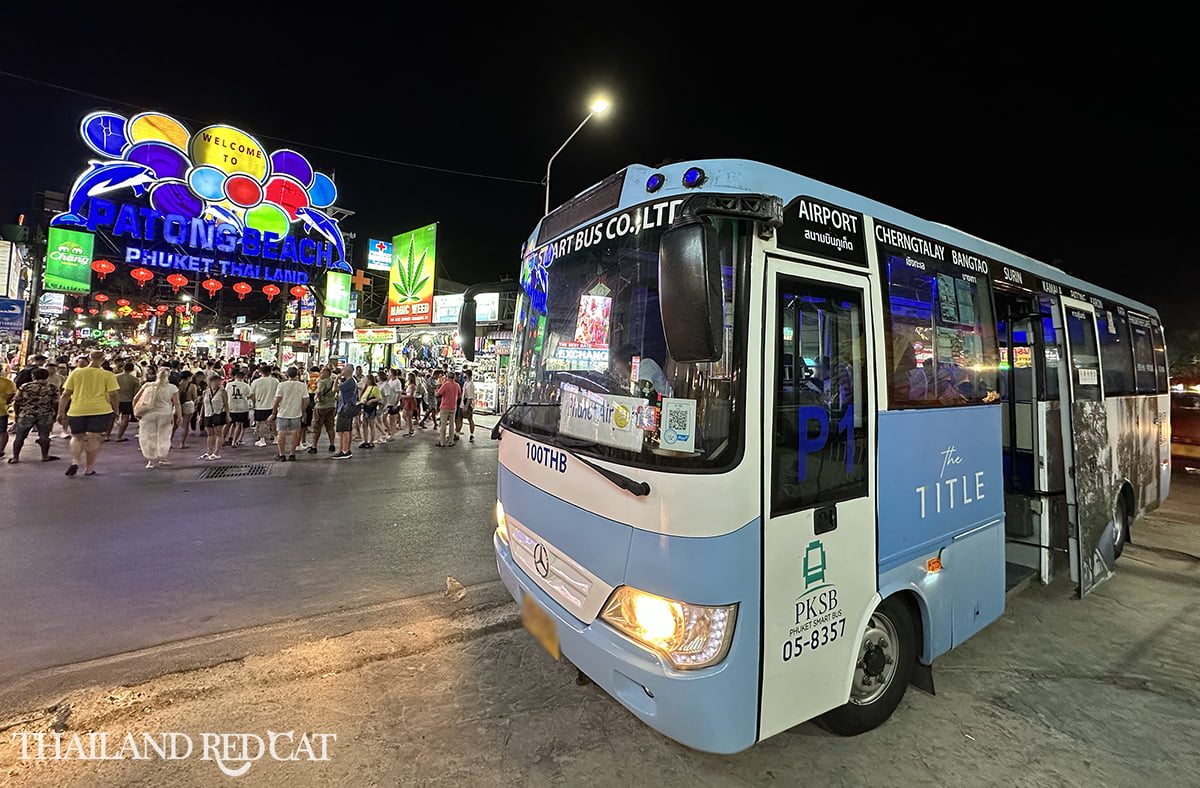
x=93, y=398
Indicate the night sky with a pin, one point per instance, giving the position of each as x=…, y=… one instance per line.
x=1075, y=144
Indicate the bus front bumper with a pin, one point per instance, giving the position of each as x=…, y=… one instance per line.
x=711, y=709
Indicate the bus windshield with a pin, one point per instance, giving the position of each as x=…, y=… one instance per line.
x=591, y=371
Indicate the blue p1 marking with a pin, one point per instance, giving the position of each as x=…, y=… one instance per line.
x=809, y=445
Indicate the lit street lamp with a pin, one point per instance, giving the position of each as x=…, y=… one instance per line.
x=599, y=106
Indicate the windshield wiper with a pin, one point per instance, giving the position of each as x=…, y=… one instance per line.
x=622, y=481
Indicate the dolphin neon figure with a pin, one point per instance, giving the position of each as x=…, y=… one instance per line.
x=329, y=230
x=100, y=178
x=218, y=214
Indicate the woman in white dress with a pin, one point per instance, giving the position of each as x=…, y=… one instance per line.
x=157, y=425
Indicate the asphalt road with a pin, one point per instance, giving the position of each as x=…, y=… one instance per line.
x=132, y=558
x=1057, y=692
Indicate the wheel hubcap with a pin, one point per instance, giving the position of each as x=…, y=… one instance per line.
x=876, y=666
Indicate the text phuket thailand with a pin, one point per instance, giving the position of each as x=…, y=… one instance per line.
x=152, y=226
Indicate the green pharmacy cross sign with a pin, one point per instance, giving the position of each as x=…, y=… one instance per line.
x=69, y=261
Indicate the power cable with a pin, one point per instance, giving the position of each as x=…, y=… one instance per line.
x=353, y=154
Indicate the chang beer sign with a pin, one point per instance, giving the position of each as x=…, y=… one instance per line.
x=410, y=281
x=69, y=261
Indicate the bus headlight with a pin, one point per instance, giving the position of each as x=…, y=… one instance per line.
x=689, y=636
x=501, y=525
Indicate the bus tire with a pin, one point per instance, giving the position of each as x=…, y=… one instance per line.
x=1122, y=522
x=885, y=659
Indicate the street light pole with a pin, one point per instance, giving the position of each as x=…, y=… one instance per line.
x=599, y=106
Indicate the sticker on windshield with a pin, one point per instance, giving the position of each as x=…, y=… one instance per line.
x=679, y=424
x=603, y=418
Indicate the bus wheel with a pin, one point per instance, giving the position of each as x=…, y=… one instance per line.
x=1122, y=520
x=881, y=674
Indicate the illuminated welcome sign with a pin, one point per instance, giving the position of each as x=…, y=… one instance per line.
x=218, y=193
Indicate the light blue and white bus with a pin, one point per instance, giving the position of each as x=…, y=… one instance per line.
x=775, y=446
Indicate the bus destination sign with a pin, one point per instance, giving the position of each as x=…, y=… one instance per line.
x=819, y=228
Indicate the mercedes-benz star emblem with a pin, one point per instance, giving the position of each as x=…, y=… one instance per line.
x=541, y=559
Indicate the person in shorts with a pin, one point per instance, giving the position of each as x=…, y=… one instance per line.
x=88, y=404
x=239, y=406
x=214, y=416
x=466, y=408
x=347, y=406
x=187, y=404
x=288, y=412
x=262, y=396
x=391, y=389
x=129, y=384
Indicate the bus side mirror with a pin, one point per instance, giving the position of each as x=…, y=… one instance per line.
x=466, y=328
x=689, y=291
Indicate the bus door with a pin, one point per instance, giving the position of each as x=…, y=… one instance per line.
x=1017, y=313
x=819, y=549
x=1086, y=450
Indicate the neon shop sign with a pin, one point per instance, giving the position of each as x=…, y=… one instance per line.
x=217, y=192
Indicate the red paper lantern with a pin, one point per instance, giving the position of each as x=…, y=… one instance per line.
x=101, y=297
x=176, y=281
x=137, y=315
x=212, y=286
x=103, y=268
x=271, y=291
x=122, y=302
x=180, y=308
x=299, y=291
x=79, y=310
x=93, y=311
x=241, y=288
x=142, y=275
x=196, y=308
x=161, y=309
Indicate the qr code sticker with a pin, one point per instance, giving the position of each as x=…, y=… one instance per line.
x=677, y=419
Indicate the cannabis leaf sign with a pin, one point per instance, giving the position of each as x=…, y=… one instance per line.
x=405, y=282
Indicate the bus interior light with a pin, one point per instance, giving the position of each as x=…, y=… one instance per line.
x=694, y=177
x=689, y=636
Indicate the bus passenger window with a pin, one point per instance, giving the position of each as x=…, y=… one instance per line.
x=1160, y=357
x=820, y=411
x=1143, y=354
x=1051, y=353
x=1116, y=354
x=941, y=338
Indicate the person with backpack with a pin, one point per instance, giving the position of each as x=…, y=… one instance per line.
x=324, y=405
x=239, y=406
x=214, y=416
x=372, y=402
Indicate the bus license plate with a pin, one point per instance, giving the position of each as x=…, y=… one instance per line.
x=540, y=625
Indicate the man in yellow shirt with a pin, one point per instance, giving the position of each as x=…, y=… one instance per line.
x=8, y=390
x=89, y=403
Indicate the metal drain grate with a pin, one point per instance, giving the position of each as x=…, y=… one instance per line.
x=235, y=471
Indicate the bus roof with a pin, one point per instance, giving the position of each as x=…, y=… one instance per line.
x=752, y=177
